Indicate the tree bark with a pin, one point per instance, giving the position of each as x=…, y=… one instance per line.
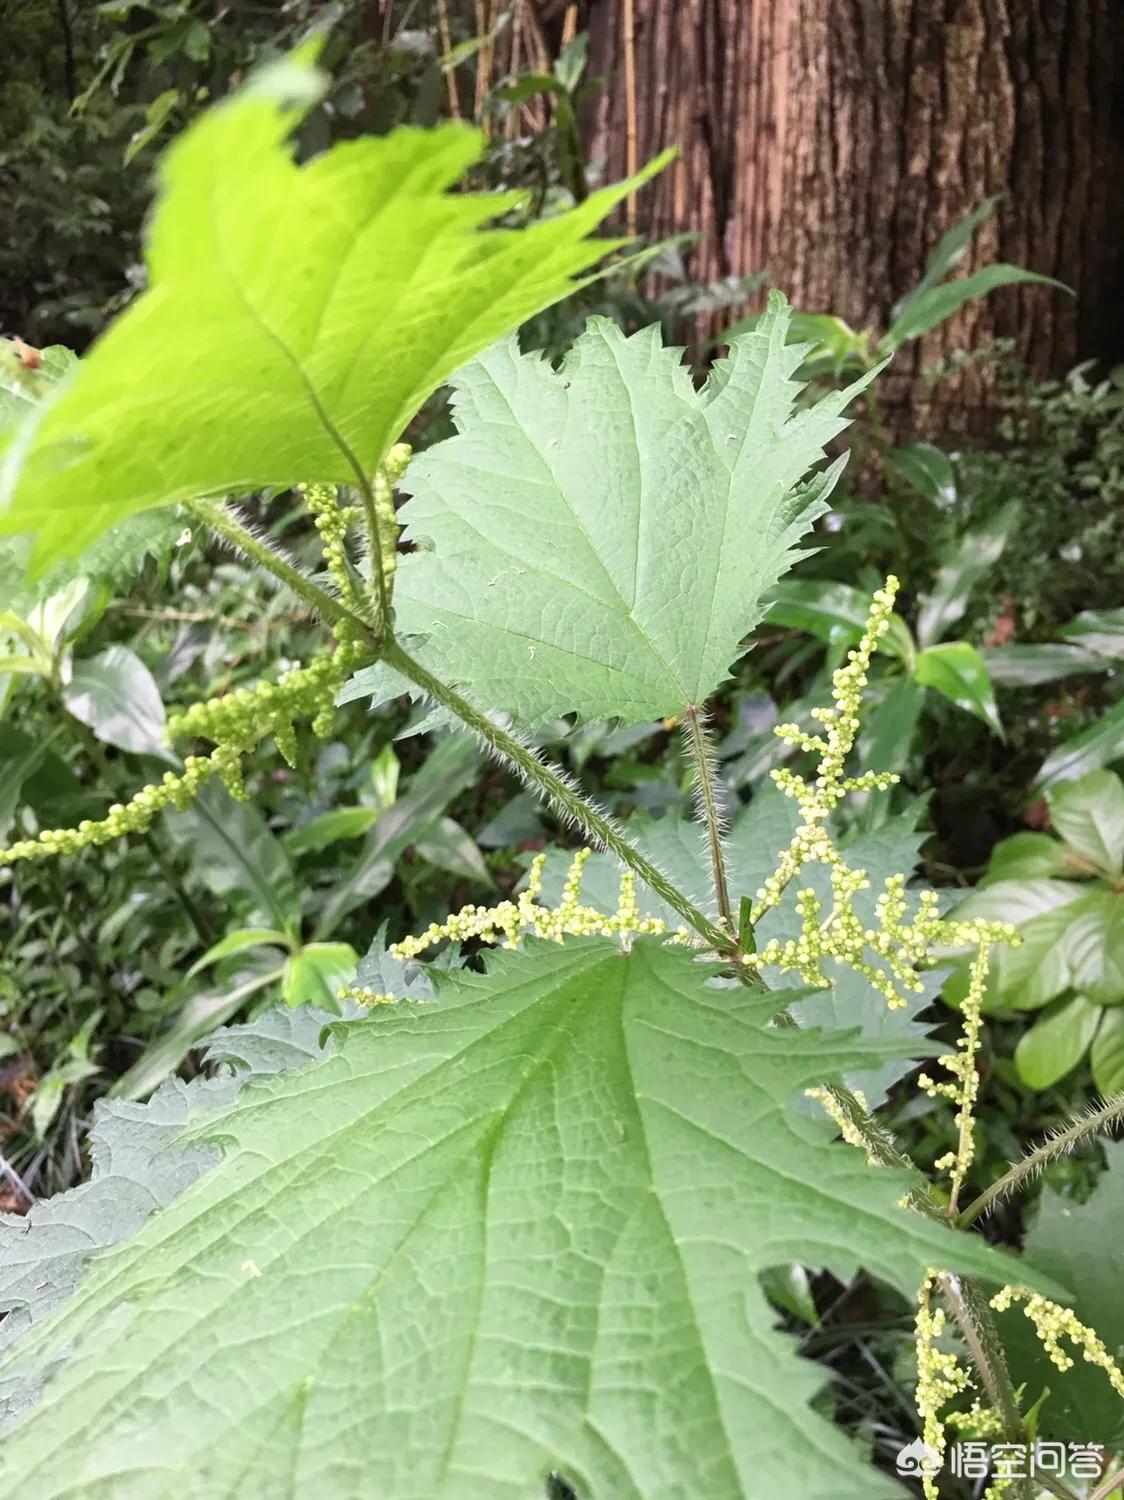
x=831, y=143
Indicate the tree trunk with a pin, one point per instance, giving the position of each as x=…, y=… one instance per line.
x=831, y=142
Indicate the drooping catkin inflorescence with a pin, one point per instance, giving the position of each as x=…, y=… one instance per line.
x=239, y=721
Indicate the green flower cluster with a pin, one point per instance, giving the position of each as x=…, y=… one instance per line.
x=333, y=521
x=237, y=722
x=390, y=471
x=240, y=720
x=135, y=816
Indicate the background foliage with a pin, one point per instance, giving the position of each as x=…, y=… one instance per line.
x=998, y=701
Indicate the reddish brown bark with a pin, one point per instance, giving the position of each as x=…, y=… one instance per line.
x=831, y=142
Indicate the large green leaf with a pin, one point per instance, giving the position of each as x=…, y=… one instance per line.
x=1099, y=630
x=133, y=1171
x=957, y=671
x=1106, y=1057
x=1029, y=666
x=1089, y=816
x=513, y=1232
x=600, y=538
x=1101, y=744
x=1057, y=1041
x=235, y=854
x=115, y=694
x=198, y=1016
x=296, y=318
x=1094, y=947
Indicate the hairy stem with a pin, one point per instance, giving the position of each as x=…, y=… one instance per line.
x=1058, y=1145
x=378, y=571
x=225, y=524
x=711, y=811
x=969, y=1308
x=552, y=784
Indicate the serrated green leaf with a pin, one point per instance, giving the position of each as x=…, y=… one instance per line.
x=599, y=539
x=957, y=671
x=515, y=1232
x=1101, y=744
x=318, y=304
x=1057, y=1041
x=198, y=1017
x=115, y=695
x=136, y=1167
x=112, y=561
x=1089, y=815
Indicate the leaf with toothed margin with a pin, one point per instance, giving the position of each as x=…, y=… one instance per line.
x=757, y=835
x=598, y=539
x=136, y=1167
x=297, y=315
x=513, y=1231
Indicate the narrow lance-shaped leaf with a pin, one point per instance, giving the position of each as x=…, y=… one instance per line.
x=296, y=317
x=513, y=1232
x=936, y=304
x=974, y=554
x=603, y=536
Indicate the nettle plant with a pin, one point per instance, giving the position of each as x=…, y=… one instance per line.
x=504, y=1235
